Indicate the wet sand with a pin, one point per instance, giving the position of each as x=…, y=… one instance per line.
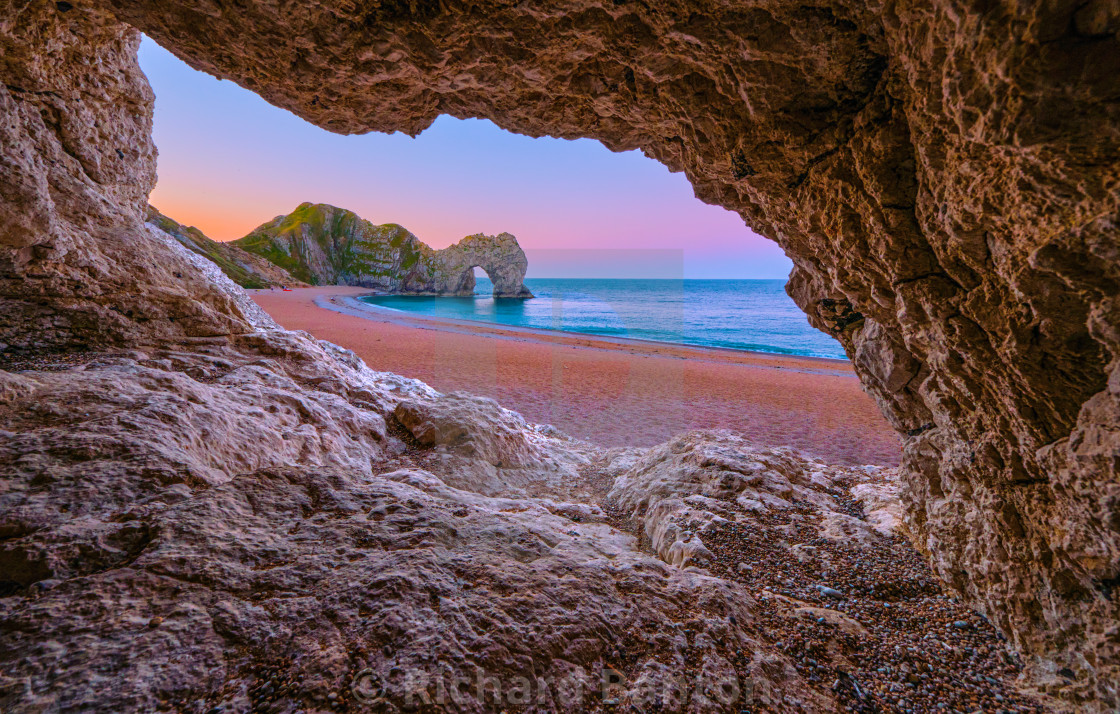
x=611, y=392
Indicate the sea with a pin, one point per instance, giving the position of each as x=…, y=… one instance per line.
x=754, y=315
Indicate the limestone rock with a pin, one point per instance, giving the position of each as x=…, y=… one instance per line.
x=241, y=527
x=500, y=256
x=477, y=442
x=943, y=175
x=218, y=279
x=879, y=497
x=324, y=245
x=263, y=522
x=678, y=490
x=242, y=267
x=77, y=266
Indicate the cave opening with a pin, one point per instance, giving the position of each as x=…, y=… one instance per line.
x=228, y=161
x=470, y=280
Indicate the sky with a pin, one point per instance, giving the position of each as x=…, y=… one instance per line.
x=229, y=161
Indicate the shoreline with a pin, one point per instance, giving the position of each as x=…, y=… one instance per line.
x=357, y=302
x=353, y=305
x=607, y=390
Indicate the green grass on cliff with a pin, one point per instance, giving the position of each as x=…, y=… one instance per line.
x=310, y=214
x=356, y=249
x=196, y=241
x=267, y=247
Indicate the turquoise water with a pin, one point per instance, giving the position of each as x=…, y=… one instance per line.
x=738, y=314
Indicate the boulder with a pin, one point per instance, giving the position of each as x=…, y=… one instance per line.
x=488, y=449
x=244, y=530
x=264, y=523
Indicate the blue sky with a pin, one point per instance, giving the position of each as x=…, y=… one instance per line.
x=229, y=161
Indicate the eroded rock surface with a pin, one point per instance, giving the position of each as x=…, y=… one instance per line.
x=837, y=587
x=475, y=441
x=264, y=523
x=324, y=245
x=78, y=267
x=943, y=174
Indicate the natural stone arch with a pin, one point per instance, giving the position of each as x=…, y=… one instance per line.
x=466, y=282
x=499, y=256
x=942, y=174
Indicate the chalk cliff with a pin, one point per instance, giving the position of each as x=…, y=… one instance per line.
x=325, y=245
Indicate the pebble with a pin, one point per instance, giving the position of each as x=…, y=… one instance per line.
x=914, y=658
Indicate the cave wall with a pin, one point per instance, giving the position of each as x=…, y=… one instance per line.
x=78, y=268
x=942, y=173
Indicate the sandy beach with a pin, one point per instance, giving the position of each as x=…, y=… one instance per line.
x=607, y=391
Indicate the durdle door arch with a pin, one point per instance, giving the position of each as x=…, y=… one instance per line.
x=499, y=256
x=944, y=176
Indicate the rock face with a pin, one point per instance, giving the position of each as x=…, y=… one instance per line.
x=943, y=175
x=324, y=245
x=242, y=267
x=264, y=523
x=78, y=267
x=500, y=256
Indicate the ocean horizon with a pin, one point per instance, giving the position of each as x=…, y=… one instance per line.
x=753, y=315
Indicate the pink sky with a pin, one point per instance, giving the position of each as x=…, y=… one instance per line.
x=229, y=162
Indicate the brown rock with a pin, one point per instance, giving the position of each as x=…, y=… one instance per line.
x=678, y=491
x=77, y=265
x=492, y=450
x=943, y=175
x=262, y=506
